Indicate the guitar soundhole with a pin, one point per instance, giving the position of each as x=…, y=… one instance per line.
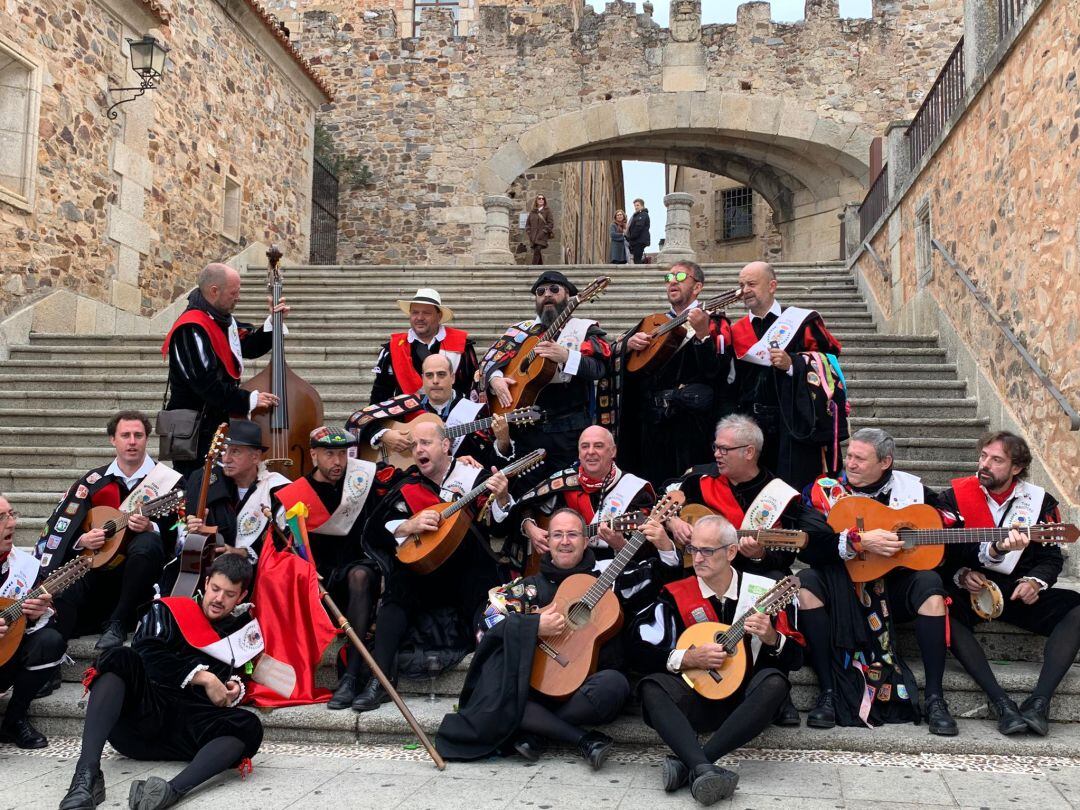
x=578, y=615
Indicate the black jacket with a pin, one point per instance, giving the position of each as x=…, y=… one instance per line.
x=637, y=233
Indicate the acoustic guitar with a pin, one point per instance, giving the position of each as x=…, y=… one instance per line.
x=114, y=523
x=426, y=551
x=530, y=372
x=668, y=334
x=593, y=615
x=199, y=550
x=717, y=684
x=522, y=416
x=11, y=609
x=920, y=530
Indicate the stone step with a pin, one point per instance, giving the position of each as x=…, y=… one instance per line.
x=895, y=407
x=860, y=388
x=860, y=369
x=938, y=448
x=955, y=426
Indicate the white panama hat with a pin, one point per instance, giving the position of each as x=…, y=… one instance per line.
x=430, y=296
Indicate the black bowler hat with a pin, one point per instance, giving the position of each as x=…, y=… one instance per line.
x=245, y=433
x=554, y=277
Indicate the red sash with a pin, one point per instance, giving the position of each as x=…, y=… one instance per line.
x=578, y=500
x=192, y=622
x=219, y=341
x=299, y=491
x=408, y=378
x=108, y=495
x=971, y=502
x=418, y=497
x=717, y=494
x=688, y=598
x=742, y=336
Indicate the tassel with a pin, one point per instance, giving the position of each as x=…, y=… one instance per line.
x=948, y=623
x=88, y=679
x=245, y=767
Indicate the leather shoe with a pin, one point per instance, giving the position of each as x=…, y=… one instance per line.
x=49, y=686
x=87, y=790
x=528, y=747
x=938, y=718
x=823, y=715
x=22, y=734
x=594, y=748
x=787, y=714
x=675, y=774
x=371, y=698
x=114, y=636
x=1009, y=719
x=156, y=794
x=1036, y=713
x=710, y=784
x=345, y=693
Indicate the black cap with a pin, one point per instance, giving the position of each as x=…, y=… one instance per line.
x=245, y=433
x=555, y=277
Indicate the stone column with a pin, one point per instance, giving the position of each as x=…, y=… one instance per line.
x=677, y=233
x=980, y=37
x=897, y=156
x=497, y=208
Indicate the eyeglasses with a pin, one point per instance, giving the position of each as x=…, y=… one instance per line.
x=722, y=450
x=703, y=551
x=680, y=276
x=551, y=288
x=557, y=536
x=6, y=516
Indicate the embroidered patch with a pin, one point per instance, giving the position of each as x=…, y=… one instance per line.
x=71, y=509
x=93, y=478
x=249, y=523
x=62, y=524
x=699, y=614
x=251, y=639
x=901, y=691
x=813, y=378
x=81, y=492
x=54, y=541
x=45, y=560
x=885, y=692
x=875, y=622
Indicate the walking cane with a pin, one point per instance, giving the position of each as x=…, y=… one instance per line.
x=350, y=633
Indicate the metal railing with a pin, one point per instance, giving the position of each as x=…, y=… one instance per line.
x=1008, y=12
x=874, y=203
x=1036, y=369
x=324, y=215
x=940, y=103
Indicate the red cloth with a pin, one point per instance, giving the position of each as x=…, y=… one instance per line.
x=971, y=501
x=742, y=336
x=193, y=624
x=219, y=341
x=578, y=500
x=108, y=495
x=408, y=378
x=1001, y=497
x=688, y=597
x=717, y=494
x=418, y=497
x=301, y=490
x=295, y=627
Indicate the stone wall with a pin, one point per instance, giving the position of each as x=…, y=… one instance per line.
x=1000, y=194
x=126, y=212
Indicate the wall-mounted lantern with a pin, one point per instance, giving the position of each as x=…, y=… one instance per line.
x=148, y=62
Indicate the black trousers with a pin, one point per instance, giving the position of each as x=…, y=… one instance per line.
x=638, y=252
x=34, y=662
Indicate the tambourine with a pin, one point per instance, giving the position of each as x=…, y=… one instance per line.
x=988, y=603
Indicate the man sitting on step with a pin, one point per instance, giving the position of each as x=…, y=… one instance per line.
x=399, y=364
x=108, y=598
x=493, y=711
x=371, y=425
x=36, y=657
x=850, y=633
x=1022, y=573
x=716, y=593
x=174, y=694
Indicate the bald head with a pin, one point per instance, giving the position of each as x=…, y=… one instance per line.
x=220, y=286
x=596, y=451
x=438, y=378
x=757, y=281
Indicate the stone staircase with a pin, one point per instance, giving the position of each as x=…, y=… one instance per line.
x=57, y=393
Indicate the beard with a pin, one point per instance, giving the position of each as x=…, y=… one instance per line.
x=988, y=480
x=547, y=313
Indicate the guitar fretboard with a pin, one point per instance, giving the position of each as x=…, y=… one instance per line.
x=713, y=304
x=54, y=584
x=936, y=537
x=509, y=471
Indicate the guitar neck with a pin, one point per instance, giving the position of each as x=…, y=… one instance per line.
x=469, y=427
x=606, y=581
x=937, y=537
x=54, y=584
x=509, y=471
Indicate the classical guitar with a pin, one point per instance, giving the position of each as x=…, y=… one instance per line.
x=668, y=334
x=522, y=416
x=426, y=551
x=775, y=539
x=717, y=684
x=114, y=523
x=593, y=615
x=919, y=528
x=530, y=372
x=198, y=551
x=11, y=609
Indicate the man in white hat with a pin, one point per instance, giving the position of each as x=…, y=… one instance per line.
x=398, y=368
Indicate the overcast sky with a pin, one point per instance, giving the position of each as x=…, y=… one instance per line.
x=646, y=180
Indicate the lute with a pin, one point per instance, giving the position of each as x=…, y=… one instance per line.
x=114, y=522
x=668, y=333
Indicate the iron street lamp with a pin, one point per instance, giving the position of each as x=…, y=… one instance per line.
x=148, y=62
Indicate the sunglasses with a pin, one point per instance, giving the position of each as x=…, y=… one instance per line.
x=551, y=288
x=680, y=276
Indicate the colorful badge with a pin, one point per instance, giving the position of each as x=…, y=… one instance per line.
x=874, y=621
x=54, y=541
x=71, y=509
x=901, y=691
x=62, y=524
x=885, y=692
x=45, y=560
x=93, y=478
x=81, y=492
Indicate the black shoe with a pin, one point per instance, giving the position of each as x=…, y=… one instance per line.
x=529, y=747
x=86, y=792
x=788, y=715
x=156, y=794
x=710, y=784
x=50, y=686
x=675, y=774
x=1036, y=713
x=823, y=715
x=114, y=636
x=1009, y=719
x=135, y=793
x=938, y=718
x=345, y=693
x=594, y=748
x=371, y=698
x=22, y=734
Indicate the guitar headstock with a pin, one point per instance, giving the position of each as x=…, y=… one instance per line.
x=782, y=539
x=723, y=300
x=217, y=444
x=164, y=505
x=665, y=508
x=627, y=522
x=526, y=463
x=1055, y=533
x=779, y=596
x=594, y=289
x=525, y=416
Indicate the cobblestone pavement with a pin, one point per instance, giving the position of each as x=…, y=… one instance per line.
x=388, y=776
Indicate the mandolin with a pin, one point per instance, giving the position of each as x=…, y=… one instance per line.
x=593, y=615
x=717, y=684
x=114, y=523
x=197, y=553
x=522, y=416
x=425, y=552
x=11, y=609
x=919, y=528
x=530, y=372
x=668, y=334
x=775, y=539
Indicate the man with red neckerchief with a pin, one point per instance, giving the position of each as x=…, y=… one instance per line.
x=1025, y=573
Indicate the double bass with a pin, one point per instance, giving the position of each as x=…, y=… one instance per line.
x=287, y=425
